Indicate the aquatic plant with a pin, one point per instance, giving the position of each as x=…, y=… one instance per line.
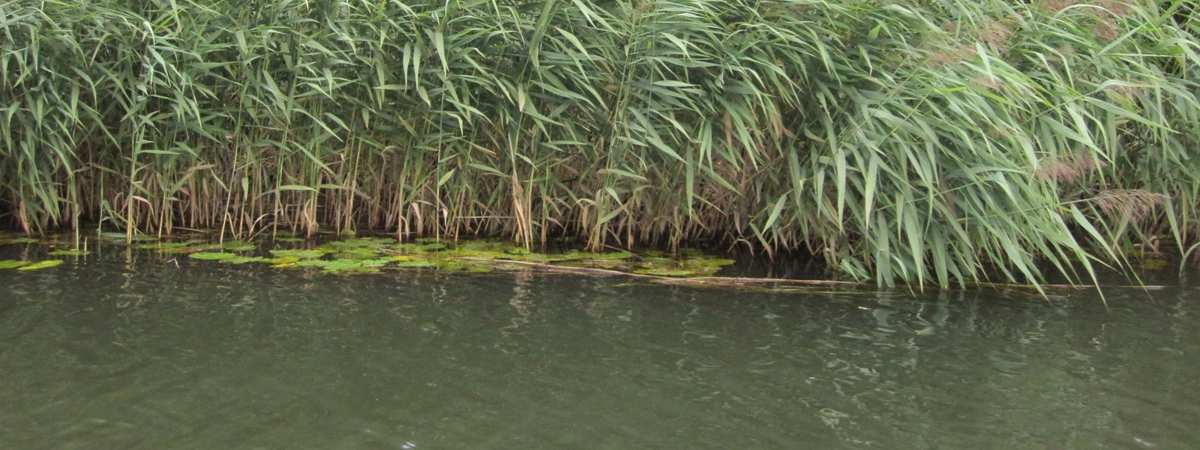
x=122, y=237
x=907, y=140
x=476, y=256
x=18, y=241
x=696, y=265
x=40, y=265
x=182, y=247
x=345, y=265
x=413, y=264
x=299, y=253
x=213, y=256
x=12, y=263
x=237, y=246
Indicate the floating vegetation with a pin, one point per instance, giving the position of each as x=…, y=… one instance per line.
x=12, y=263
x=694, y=266
x=196, y=245
x=345, y=265
x=238, y=246
x=45, y=264
x=299, y=254
x=121, y=237
x=372, y=254
x=18, y=241
x=231, y=258
x=284, y=262
x=414, y=264
x=169, y=245
x=213, y=256
x=247, y=260
x=357, y=253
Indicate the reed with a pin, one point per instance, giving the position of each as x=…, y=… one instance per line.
x=920, y=141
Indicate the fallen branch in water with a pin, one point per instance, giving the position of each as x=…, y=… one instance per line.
x=754, y=281
x=692, y=281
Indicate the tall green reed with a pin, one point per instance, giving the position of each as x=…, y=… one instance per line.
x=920, y=141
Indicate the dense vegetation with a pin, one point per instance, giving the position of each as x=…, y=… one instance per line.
x=925, y=141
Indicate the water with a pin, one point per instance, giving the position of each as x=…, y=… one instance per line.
x=131, y=350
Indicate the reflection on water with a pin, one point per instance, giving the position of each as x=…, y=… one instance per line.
x=135, y=350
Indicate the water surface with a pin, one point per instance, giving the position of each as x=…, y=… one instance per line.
x=134, y=350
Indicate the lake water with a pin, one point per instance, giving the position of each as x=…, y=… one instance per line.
x=132, y=350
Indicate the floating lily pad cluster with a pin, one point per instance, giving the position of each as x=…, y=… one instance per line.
x=29, y=266
x=26, y=265
x=197, y=245
x=372, y=254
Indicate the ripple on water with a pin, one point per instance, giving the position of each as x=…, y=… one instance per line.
x=124, y=349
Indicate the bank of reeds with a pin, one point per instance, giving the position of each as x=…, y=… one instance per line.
x=923, y=141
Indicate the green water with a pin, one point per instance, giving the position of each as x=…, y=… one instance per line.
x=134, y=350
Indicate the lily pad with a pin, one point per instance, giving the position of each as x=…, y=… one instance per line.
x=120, y=237
x=168, y=245
x=370, y=254
x=345, y=265
x=189, y=246
x=283, y=262
x=247, y=260
x=699, y=266
x=419, y=264
x=238, y=246
x=366, y=242
x=358, y=253
x=415, y=247
x=433, y=247
x=299, y=253
x=214, y=256
x=45, y=264
x=12, y=263
x=70, y=252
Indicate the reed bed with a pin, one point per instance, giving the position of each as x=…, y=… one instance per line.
x=921, y=141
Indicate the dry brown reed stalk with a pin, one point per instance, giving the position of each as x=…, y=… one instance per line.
x=1128, y=92
x=952, y=55
x=988, y=82
x=997, y=34
x=1068, y=168
x=1120, y=8
x=1105, y=29
x=1054, y=6
x=1104, y=12
x=1132, y=204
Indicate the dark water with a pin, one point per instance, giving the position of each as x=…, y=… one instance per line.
x=130, y=351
